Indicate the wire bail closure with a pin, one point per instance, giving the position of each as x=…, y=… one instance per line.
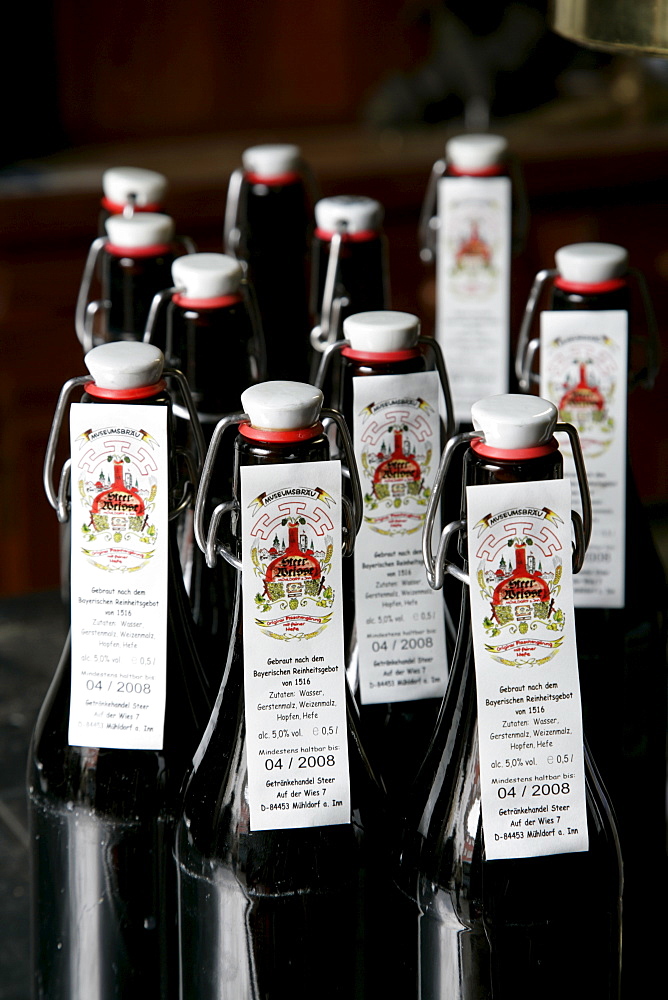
x=438, y=565
x=208, y=540
x=528, y=346
x=232, y=228
x=258, y=353
x=326, y=331
x=87, y=309
x=59, y=498
x=430, y=343
x=429, y=222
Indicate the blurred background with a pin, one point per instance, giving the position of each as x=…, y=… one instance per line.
x=370, y=92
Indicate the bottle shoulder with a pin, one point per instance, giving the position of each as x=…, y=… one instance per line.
x=215, y=831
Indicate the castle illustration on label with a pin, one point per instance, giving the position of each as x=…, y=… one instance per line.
x=518, y=575
x=395, y=463
x=117, y=491
x=472, y=241
x=583, y=388
x=292, y=559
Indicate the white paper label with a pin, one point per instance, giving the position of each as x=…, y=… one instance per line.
x=473, y=286
x=294, y=667
x=529, y=711
x=584, y=373
x=400, y=619
x=119, y=575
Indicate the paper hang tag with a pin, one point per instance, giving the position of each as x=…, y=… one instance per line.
x=294, y=667
x=473, y=286
x=584, y=372
x=119, y=559
x=400, y=620
x=529, y=712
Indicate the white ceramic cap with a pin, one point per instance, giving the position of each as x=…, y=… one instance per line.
x=272, y=159
x=475, y=152
x=591, y=263
x=282, y=406
x=147, y=186
x=125, y=364
x=145, y=229
x=514, y=421
x=207, y=275
x=354, y=213
x=381, y=331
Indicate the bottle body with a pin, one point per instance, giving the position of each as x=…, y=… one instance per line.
x=622, y=654
x=129, y=282
x=395, y=733
x=263, y=912
x=473, y=244
x=274, y=223
x=491, y=928
x=362, y=273
x=216, y=349
x=102, y=820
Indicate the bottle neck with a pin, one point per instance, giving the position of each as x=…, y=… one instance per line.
x=361, y=236
x=357, y=364
x=495, y=170
x=255, y=451
x=484, y=470
x=571, y=295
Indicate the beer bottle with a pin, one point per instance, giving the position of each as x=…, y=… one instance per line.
x=214, y=338
x=467, y=228
x=398, y=410
x=127, y=190
x=128, y=703
x=593, y=350
x=267, y=224
x=277, y=863
x=508, y=832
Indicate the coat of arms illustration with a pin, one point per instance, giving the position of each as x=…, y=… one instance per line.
x=395, y=465
x=518, y=575
x=583, y=387
x=292, y=559
x=117, y=491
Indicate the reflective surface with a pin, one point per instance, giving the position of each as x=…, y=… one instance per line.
x=276, y=913
x=274, y=222
x=101, y=830
x=547, y=926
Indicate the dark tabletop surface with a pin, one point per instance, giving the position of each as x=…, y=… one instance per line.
x=32, y=632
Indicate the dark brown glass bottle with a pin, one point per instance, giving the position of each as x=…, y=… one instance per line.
x=271, y=208
x=104, y=901
x=136, y=265
x=273, y=913
x=213, y=338
x=622, y=651
x=396, y=733
x=362, y=272
x=548, y=926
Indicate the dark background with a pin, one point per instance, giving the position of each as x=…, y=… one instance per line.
x=370, y=91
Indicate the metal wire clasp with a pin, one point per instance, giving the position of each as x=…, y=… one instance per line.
x=231, y=227
x=528, y=346
x=327, y=330
x=439, y=363
x=208, y=539
x=438, y=565
x=59, y=497
x=429, y=222
x=87, y=308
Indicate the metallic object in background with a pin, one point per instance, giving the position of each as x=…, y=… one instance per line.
x=613, y=25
